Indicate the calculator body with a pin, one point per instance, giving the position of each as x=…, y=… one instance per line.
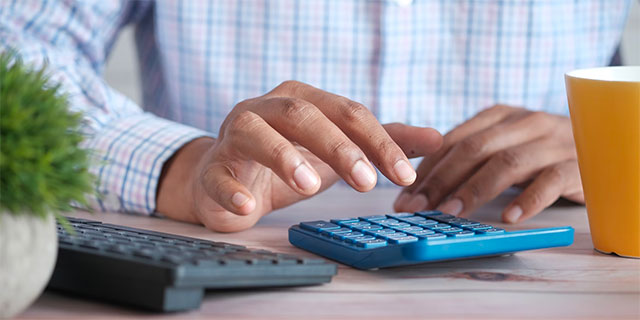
x=366, y=246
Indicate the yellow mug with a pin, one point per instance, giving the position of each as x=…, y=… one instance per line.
x=605, y=115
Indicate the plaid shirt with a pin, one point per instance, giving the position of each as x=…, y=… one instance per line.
x=422, y=62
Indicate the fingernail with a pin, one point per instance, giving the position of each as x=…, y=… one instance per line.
x=239, y=199
x=418, y=202
x=304, y=177
x=362, y=174
x=453, y=207
x=401, y=201
x=404, y=171
x=513, y=214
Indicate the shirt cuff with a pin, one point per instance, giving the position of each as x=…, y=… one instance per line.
x=128, y=156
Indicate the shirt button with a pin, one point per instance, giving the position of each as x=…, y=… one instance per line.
x=404, y=3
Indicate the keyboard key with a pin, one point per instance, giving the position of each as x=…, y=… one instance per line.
x=318, y=226
x=402, y=240
x=491, y=231
x=369, y=244
x=373, y=218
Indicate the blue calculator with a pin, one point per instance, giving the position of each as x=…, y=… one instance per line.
x=410, y=238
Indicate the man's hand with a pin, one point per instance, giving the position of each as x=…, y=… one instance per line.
x=280, y=148
x=498, y=148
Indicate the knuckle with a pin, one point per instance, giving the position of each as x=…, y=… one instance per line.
x=388, y=148
x=353, y=111
x=555, y=174
x=296, y=109
x=538, y=117
x=340, y=148
x=472, y=146
x=475, y=191
x=536, y=199
x=242, y=121
x=281, y=152
x=434, y=187
x=288, y=84
x=509, y=159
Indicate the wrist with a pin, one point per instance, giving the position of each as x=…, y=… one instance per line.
x=174, y=196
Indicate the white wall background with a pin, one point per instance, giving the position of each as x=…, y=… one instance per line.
x=122, y=67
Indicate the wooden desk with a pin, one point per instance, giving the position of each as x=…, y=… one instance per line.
x=574, y=282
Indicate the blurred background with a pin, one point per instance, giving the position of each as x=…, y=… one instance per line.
x=122, y=67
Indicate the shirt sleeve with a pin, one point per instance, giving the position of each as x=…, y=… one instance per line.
x=72, y=38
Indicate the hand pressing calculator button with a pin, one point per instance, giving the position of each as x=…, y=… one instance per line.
x=378, y=241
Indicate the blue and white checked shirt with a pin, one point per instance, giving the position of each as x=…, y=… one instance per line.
x=422, y=62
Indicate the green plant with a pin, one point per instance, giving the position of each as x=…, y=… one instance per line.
x=42, y=168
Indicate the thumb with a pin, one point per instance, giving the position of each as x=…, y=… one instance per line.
x=414, y=141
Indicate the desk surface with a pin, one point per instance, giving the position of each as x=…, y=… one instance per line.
x=572, y=282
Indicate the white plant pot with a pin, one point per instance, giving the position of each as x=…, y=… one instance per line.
x=28, y=250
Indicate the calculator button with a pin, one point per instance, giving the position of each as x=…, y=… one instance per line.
x=373, y=218
x=368, y=228
x=332, y=232
x=318, y=226
x=491, y=231
x=443, y=217
x=439, y=226
x=461, y=234
x=434, y=236
x=410, y=229
x=400, y=226
x=421, y=233
x=393, y=235
x=414, y=219
x=355, y=224
x=381, y=231
x=344, y=220
x=468, y=224
x=450, y=230
x=356, y=239
x=427, y=222
x=343, y=236
x=429, y=213
x=368, y=244
x=407, y=239
x=400, y=215
x=480, y=227
x=389, y=222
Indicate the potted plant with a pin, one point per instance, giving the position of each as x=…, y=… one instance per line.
x=42, y=172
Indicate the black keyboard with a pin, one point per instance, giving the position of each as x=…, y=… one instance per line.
x=165, y=272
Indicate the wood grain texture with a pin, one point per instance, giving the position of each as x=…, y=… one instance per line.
x=573, y=282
